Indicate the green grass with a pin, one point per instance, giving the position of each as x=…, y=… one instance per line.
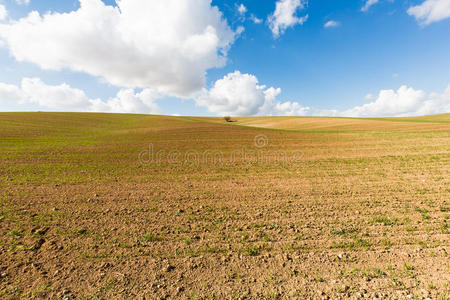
x=150, y=237
x=368, y=185
x=355, y=244
x=74, y=148
x=386, y=221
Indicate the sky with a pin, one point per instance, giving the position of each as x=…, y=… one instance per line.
x=354, y=58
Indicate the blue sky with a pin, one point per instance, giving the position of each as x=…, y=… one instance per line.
x=364, y=60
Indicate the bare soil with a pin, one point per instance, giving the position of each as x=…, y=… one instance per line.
x=341, y=214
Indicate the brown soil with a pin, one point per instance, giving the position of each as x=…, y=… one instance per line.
x=356, y=215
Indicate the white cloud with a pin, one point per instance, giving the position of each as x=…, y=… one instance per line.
x=127, y=101
x=242, y=9
x=284, y=109
x=10, y=93
x=331, y=23
x=430, y=11
x=369, y=97
x=405, y=101
x=166, y=45
x=3, y=12
x=241, y=95
x=240, y=30
x=284, y=16
x=255, y=19
x=368, y=4
x=23, y=2
x=55, y=97
x=236, y=94
x=65, y=98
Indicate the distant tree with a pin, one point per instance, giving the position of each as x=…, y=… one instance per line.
x=227, y=118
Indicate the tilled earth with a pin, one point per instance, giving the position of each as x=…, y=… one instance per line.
x=355, y=215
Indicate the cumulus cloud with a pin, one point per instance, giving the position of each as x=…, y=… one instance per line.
x=284, y=16
x=240, y=94
x=65, y=98
x=287, y=108
x=3, y=12
x=406, y=101
x=369, y=4
x=166, y=45
x=331, y=23
x=10, y=94
x=127, y=100
x=235, y=94
x=430, y=11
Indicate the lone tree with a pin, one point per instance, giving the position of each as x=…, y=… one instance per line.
x=227, y=118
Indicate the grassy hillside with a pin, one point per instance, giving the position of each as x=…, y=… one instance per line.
x=331, y=206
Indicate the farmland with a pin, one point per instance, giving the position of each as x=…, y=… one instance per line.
x=98, y=206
